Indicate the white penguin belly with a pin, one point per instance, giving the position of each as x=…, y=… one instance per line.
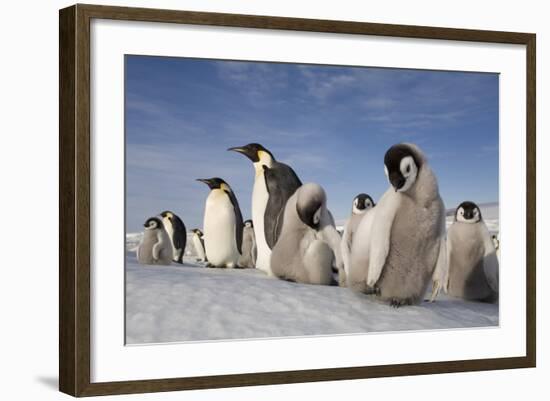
x=198, y=247
x=219, y=230
x=170, y=231
x=260, y=197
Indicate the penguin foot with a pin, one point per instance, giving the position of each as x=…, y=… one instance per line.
x=373, y=291
x=398, y=302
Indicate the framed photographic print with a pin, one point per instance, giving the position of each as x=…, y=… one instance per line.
x=250, y=200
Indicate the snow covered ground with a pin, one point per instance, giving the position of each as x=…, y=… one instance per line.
x=190, y=302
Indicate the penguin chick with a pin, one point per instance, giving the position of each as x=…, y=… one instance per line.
x=155, y=248
x=177, y=232
x=400, y=244
x=473, y=263
x=223, y=224
x=361, y=204
x=198, y=244
x=249, y=253
x=309, y=244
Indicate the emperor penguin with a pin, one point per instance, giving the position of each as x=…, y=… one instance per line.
x=223, y=224
x=361, y=204
x=309, y=245
x=155, y=248
x=472, y=259
x=177, y=232
x=249, y=252
x=198, y=243
x=274, y=183
x=399, y=246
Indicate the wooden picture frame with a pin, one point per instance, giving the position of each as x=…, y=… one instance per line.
x=75, y=208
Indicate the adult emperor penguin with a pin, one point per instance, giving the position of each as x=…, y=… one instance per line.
x=155, y=248
x=274, y=183
x=472, y=259
x=400, y=244
x=198, y=243
x=249, y=252
x=309, y=244
x=361, y=204
x=177, y=232
x=223, y=224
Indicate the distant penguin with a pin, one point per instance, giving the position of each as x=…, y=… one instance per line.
x=361, y=204
x=249, y=252
x=472, y=259
x=198, y=243
x=496, y=242
x=177, y=232
x=155, y=248
x=274, y=183
x=223, y=224
x=399, y=245
x=309, y=244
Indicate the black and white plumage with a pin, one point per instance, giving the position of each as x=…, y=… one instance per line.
x=309, y=245
x=362, y=203
x=274, y=183
x=399, y=246
x=223, y=224
x=155, y=247
x=249, y=252
x=177, y=232
x=473, y=263
x=198, y=244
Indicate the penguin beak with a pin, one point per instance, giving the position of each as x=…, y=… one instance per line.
x=206, y=181
x=397, y=181
x=247, y=151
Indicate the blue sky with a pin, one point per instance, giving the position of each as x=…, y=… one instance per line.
x=332, y=124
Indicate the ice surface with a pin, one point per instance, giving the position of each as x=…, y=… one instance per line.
x=191, y=302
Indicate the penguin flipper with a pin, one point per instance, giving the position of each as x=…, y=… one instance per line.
x=281, y=183
x=239, y=225
x=440, y=277
x=157, y=247
x=381, y=235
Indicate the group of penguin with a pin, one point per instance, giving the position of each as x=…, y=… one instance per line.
x=391, y=250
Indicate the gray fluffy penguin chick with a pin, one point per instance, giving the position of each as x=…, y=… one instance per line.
x=249, y=251
x=155, y=248
x=309, y=244
x=471, y=255
x=362, y=203
x=399, y=245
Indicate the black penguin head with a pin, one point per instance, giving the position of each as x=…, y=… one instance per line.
x=310, y=201
x=401, y=165
x=248, y=223
x=167, y=215
x=197, y=231
x=362, y=203
x=254, y=151
x=467, y=212
x=215, y=183
x=153, y=223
